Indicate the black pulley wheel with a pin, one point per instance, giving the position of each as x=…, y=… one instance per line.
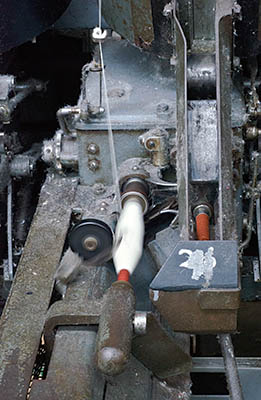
x=92, y=239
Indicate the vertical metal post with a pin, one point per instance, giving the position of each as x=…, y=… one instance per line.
x=9, y=231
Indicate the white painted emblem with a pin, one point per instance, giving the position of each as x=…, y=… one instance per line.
x=201, y=263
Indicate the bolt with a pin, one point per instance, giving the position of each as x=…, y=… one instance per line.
x=99, y=188
x=93, y=148
x=150, y=144
x=162, y=108
x=94, y=165
x=135, y=168
x=90, y=243
x=4, y=114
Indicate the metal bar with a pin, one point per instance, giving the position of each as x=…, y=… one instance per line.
x=23, y=318
x=182, y=126
x=231, y=370
x=223, y=88
x=9, y=231
x=216, y=364
x=258, y=223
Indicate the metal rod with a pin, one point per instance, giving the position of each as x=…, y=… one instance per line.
x=231, y=370
x=9, y=231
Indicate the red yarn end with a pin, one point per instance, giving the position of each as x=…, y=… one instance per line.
x=124, y=275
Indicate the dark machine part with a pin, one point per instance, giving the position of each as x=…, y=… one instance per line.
x=92, y=239
x=194, y=91
x=248, y=29
x=22, y=21
x=113, y=342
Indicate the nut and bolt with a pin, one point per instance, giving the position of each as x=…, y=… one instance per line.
x=93, y=148
x=252, y=132
x=94, y=165
x=4, y=114
x=150, y=144
x=90, y=243
x=99, y=188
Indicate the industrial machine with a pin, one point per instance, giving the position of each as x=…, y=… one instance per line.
x=130, y=216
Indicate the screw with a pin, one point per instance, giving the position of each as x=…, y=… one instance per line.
x=94, y=164
x=150, y=144
x=93, y=148
x=162, y=108
x=135, y=168
x=99, y=188
x=90, y=243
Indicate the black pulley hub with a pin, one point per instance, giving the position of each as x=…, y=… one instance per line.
x=92, y=239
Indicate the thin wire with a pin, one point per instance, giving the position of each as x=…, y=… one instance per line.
x=110, y=136
x=110, y=133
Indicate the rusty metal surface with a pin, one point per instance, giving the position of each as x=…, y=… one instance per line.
x=70, y=372
x=194, y=319
x=23, y=318
x=154, y=348
x=82, y=302
x=115, y=328
x=132, y=19
x=134, y=383
x=178, y=388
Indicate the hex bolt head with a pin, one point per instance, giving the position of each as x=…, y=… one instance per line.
x=90, y=243
x=94, y=165
x=93, y=148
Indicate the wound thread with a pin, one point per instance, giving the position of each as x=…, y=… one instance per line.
x=123, y=275
x=202, y=225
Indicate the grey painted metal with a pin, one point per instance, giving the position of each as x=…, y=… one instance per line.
x=202, y=126
x=204, y=20
x=23, y=317
x=137, y=82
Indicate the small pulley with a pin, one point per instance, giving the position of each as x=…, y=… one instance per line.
x=92, y=239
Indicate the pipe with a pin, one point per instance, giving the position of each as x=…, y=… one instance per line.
x=202, y=226
x=202, y=214
x=233, y=381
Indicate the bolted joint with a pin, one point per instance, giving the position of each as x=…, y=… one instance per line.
x=156, y=141
x=202, y=209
